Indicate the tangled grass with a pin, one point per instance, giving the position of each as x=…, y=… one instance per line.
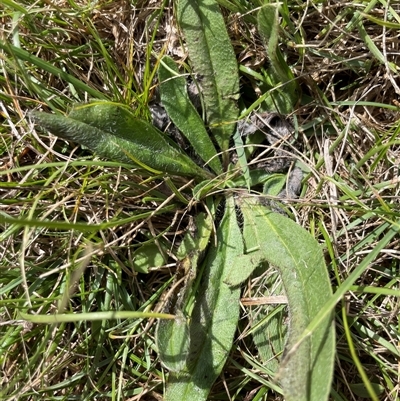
x=346, y=58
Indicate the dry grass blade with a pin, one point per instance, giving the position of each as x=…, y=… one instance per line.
x=55, y=54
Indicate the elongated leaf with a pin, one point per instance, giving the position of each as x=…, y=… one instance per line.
x=269, y=329
x=173, y=336
x=173, y=342
x=113, y=132
x=242, y=159
x=214, y=318
x=175, y=99
x=213, y=58
x=306, y=371
x=253, y=256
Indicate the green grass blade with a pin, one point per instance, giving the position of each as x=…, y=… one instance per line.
x=184, y=115
x=355, y=274
x=381, y=22
x=373, y=48
x=83, y=227
x=15, y=6
x=79, y=317
x=282, y=99
x=23, y=55
x=213, y=57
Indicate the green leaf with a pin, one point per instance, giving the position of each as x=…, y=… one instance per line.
x=306, y=370
x=274, y=184
x=244, y=265
x=111, y=130
x=285, y=98
x=242, y=159
x=257, y=177
x=196, y=240
x=360, y=390
x=214, y=318
x=183, y=114
x=269, y=328
x=172, y=337
x=173, y=342
x=147, y=256
x=212, y=56
x=203, y=189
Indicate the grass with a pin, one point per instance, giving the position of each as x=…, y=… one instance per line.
x=86, y=220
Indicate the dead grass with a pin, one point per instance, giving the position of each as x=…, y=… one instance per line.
x=348, y=129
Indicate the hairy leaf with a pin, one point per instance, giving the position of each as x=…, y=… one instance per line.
x=214, y=61
x=269, y=327
x=306, y=369
x=175, y=99
x=214, y=318
x=112, y=131
x=242, y=159
x=147, y=256
x=173, y=336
